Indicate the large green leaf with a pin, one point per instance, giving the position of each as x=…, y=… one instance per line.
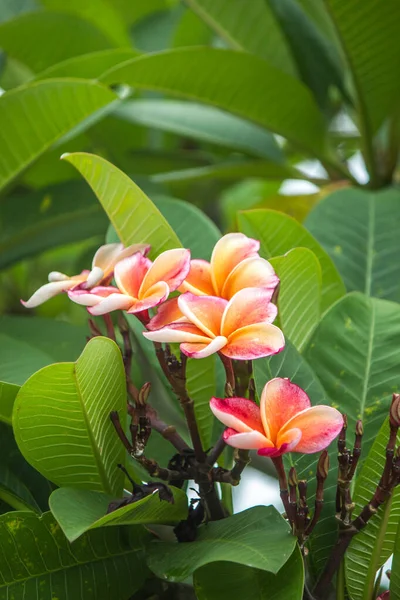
x=13, y=491
x=255, y=30
x=227, y=581
x=299, y=300
x=201, y=386
x=202, y=123
x=62, y=424
x=258, y=537
x=261, y=94
x=101, y=13
x=37, y=561
x=35, y=116
x=41, y=39
x=33, y=338
x=355, y=353
x=279, y=233
x=78, y=511
x=133, y=215
x=369, y=33
x=8, y=393
x=395, y=576
x=372, y=547
x=359, y=231
x=88, y=66
x=36, y=221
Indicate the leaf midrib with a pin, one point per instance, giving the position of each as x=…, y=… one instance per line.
x=368, y=360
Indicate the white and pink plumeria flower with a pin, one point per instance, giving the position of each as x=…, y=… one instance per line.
x=240, y=329
x=284, y=422
x=235, y=265
x=103, y=264
x=141, y=284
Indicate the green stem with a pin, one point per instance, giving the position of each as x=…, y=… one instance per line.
x=14, y=502
x=340, y=583
x=226, y=497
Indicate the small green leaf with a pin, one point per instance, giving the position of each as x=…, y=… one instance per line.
x=8, y=393
x=106, y=563
x=261, y=94
x=372, y=547
x=78, y=511
x=88, y=66
x=133, y=215
x=258, y=537
x=13, y=491
x=279, y=233
x=227, y=581
x=62, y=424
x=299, y=297
x=57, y=106
x=359, y=230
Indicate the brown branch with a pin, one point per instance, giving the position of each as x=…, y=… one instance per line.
x=283, y=484
x=216, y=452
x=230, y=375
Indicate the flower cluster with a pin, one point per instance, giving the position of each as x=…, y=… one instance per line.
x=224, y=305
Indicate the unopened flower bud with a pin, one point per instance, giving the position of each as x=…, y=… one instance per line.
x=394, y=414
x=144, y=393
x=323, y=465
x=228, y=390
x=293, y=477
x=359, y=428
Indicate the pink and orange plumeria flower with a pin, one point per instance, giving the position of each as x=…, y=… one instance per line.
x=141, y=284
x=240, y=329
x=103, y=264
x=235, y=265
x=284, y=422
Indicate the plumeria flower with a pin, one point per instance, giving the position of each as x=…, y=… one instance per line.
x=239, y=329
x=235, y=265
x=284, y=422
x=141, y=284
x=103, y=264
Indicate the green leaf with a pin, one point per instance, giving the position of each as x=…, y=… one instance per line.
x=355, y=353
x=395, y=576
x=33, y=339
x=203, y=123
x=62, y=424
x=359, y=231
x=372, y=547
x=299, y=297
x=78, y=511
x=261, y=94
x=369, y=34
x=14, y=492
x=37, y=221
x=200, y=382
x=191, y=31
x=8, y=393
x=227, y=581
x=230, y=170
x=237, y=539
x=279, y=233
x=88, y=66
x=132, y=12
x=41, y=39
x=10, y=8
x=101, y=13
x=133, y=215
x=106, y=563
x=35, y=116
x=244, y=29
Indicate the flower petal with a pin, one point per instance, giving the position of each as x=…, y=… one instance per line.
x=113, y=302
x=287, y=443
x=130, y=272
x=168, y=312
x=319, y=425
x=203, y=311
x=238, y=413
x=47, y=291
x=177, y=332
x=251, y=272
x=92, y=297
x=251, y=440
x=198, y=280
x=203, y=350
x=280, y=401
x=108, y=255
x=229, y=251
x=254, y=341
x=154, y=296
x=248, y=306
x=170, y=266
